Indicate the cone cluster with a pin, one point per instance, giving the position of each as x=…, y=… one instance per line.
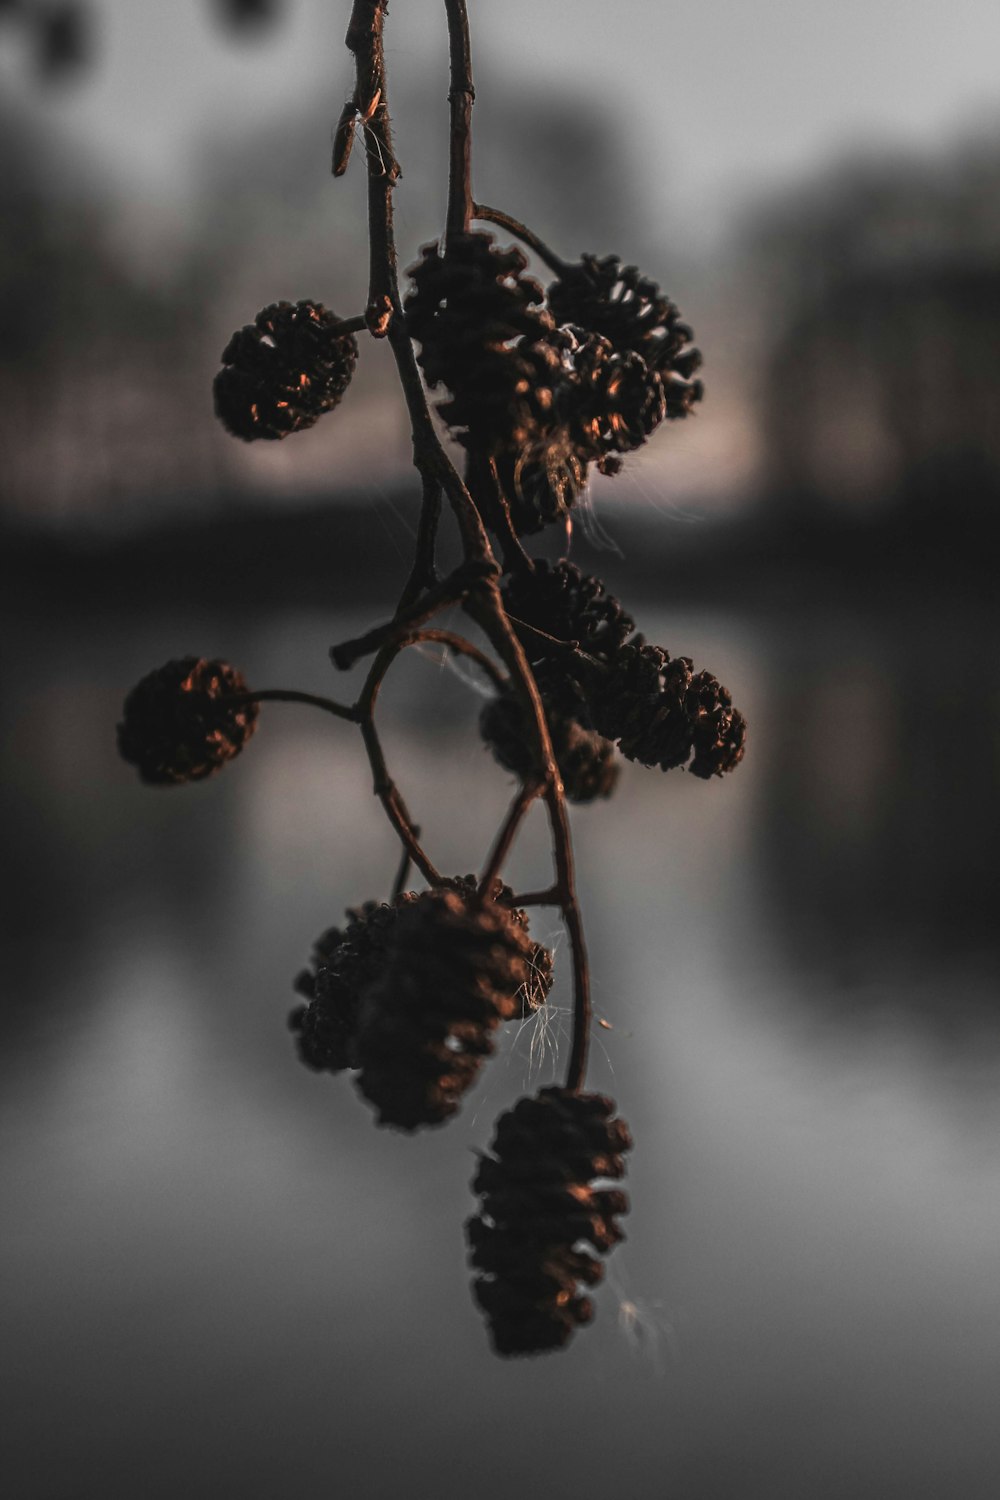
x=283, y=371
x=544, y=1221
x=179, y=723
x=544, y=391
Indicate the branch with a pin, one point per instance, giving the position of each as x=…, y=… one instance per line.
x=423, y=574
x=523, y=233
x=383, y=785
x=481, y=599
x=566, y=885
x=449, y=591
x=461, y=96
x=461, y=647
x=291, y=695
x=364, y=39
x=384, y=312
x=403, y=873
x=508, y=830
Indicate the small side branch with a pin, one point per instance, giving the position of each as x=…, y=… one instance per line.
x=356, y=324
x=423, y=574
x=291, y=695
x=483, y=472
x=383, y=785
x=551, y=897
x=461, y=647
x=507, y=833
x=403, y=873
x=521, y=232
x=566, y=884
x=449, y=591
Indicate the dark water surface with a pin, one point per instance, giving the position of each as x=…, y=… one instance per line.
x=222, y=1280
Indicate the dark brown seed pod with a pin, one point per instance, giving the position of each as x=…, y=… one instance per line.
x=346, y=960
x=560, y=601
x=485, y=337
x=466, y=298
x=544, y=1221
x=633, y=314
x=283, y=371
x=586, y=760
x=619, y=400
x=661, y=712
x=541, y=971
x=556, y=600
x=180, y=723
x=456, y=968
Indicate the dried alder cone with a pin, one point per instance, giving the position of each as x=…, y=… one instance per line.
x=543, y=1221
x=347, y=960
x=283, y=371
x=661, y=712
x=628, y=309
x=455, y=968
x=585, y=760
x=180, y=724
x=344, y=961
x=615, y=687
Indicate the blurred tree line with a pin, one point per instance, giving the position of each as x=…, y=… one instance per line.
x=881, y=388
x=866, y=345
x=107, y=363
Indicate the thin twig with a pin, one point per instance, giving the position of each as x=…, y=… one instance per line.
x=461, y=96
x=383, y=785
x=515, y=559
x=403, y=873
x=505, y=836
x=423, y=574
x=292, y=695
x=364, y=39
x=566, y=883
x=550, y=897
x=449, y=591
x=461, y=647
x=384, y=312
x=522, y=232
x=543, y=635
x=357, y=324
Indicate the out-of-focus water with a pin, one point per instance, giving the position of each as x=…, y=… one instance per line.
x=221, y=1279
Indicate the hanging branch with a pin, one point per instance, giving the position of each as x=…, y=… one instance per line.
x=482, y=602
x=542, y=387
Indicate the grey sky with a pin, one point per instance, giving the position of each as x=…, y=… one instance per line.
x=720, y=97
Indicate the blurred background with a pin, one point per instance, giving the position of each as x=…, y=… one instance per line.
x=219, y=1277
